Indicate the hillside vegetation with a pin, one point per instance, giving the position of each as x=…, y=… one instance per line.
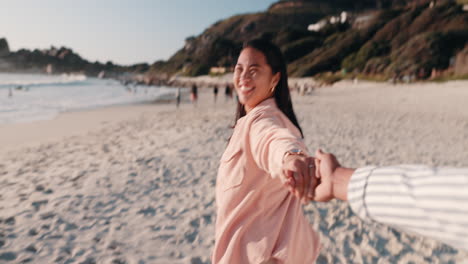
x=385, y=37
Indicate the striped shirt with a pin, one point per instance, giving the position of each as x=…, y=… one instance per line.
x=430, y=201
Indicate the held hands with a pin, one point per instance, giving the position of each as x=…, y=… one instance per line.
x=327, y=179
x=327, y=165
x=300, y=176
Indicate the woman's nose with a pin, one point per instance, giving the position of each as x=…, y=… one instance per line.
x=245, y=75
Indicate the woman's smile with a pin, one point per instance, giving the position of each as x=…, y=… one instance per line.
x=246, y=89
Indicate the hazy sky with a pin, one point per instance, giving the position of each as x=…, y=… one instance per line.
x=123, y=31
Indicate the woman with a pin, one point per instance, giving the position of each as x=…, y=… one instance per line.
x=258, y=219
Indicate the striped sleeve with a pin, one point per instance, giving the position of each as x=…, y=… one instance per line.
x=430, y=201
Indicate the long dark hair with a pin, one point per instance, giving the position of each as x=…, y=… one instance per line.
x=276, y=61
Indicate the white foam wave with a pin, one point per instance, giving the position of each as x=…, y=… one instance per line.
x=32, y=80
x=52, y=98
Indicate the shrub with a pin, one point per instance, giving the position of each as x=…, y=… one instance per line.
x=428, y=50
x=288, y=35
x=377, y=65
x=330, y=55
x=199, y=69
x=299, y=48
x=369, y=50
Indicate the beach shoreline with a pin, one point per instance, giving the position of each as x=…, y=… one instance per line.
x=70, y=123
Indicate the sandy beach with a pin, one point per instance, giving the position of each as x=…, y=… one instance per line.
x=135, y=184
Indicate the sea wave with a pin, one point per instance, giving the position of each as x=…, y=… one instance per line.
x=22, y=81
x=64, y=93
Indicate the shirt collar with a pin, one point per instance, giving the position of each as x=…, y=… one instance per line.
x=265, y=103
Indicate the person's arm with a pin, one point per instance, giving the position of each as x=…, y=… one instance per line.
x=270, y=140
x=430, y=201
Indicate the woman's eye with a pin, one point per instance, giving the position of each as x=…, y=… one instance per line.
x=253, y=72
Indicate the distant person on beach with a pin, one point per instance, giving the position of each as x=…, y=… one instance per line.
x=228, y=92
x=429, y=201
x=259, y=220
x=10, y=92
x=194, y=94
x=178, y=95
x=215, y=92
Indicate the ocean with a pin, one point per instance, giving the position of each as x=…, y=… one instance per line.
x=33, y=97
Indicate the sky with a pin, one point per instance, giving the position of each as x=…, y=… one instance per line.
x=122, y=31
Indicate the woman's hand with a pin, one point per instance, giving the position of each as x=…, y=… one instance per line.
x=299, y=171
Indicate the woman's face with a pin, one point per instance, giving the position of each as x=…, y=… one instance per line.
x=253, y=78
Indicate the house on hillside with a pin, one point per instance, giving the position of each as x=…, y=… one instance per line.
x=356, y=20
x=218, y=70
x=341, y=19
x=317, y=26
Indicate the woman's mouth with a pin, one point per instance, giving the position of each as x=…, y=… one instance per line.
x=245, y=89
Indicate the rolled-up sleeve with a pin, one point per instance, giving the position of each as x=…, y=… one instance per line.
x=270, y=138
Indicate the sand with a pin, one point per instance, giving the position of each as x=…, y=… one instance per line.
x=135, y=184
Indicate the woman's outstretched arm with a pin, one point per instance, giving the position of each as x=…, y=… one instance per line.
x=273, y=145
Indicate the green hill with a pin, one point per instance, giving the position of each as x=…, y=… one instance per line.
x=384, y=37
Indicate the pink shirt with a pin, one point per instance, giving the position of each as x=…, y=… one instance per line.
x=257, y=217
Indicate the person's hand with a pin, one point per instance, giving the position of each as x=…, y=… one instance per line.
x=327, y=164
x=333, y=178
x=299, y=171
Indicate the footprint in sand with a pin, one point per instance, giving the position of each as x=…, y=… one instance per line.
x=148, y=211
x=8, y=256
x=184, y=150
x=119, y=261
x=191, y=236
x=40, y=188
x=198, y=260
x=37, y=204
x=195, y=223
x=32, y=232
x=207, y=219
x=31, y=248
x=9, y=221
x=47, y=215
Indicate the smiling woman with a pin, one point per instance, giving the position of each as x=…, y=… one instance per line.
x=258, y=219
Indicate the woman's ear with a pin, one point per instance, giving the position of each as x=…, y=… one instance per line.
x=275, y=79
